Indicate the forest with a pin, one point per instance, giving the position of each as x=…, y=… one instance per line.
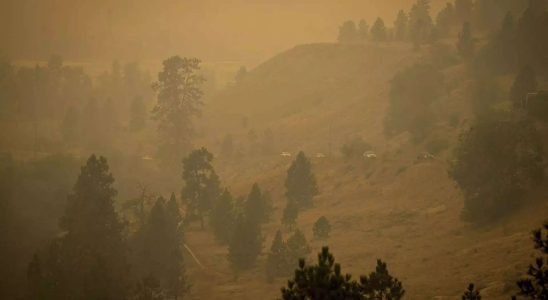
x=408, y=146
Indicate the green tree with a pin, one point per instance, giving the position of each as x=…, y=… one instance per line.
x=202, y=185
x=471, y=293
x=465, y=43
x=348, y=32
x=524, y=83
x=378, y=31
x=326, y=281
x=535, y=286
x=277, y=263
x=245, y=245
x=178, y=102
x=93, y=247
x=321, y=228
x=300, y=183
x=400, y=26
x=223, y=217
x=297, y=246
x=420, y=22
x=363, y=30
x=138, y=114
x=256, y=207
x=496, y=162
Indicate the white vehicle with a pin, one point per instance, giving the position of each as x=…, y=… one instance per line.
x=320, y=155
x=425, y=156
x=369, y=154
x=285, y=154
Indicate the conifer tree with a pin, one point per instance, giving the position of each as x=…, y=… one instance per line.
x=381, y=285
x=445, y=20
x=277, y=262
x=178, y=102
x=93, y=247
x=290, y=213
x=256, y=207
x=223, y=217
x=297, y=246
x=378, y=31
x=465, y=44
x=524, y=83
x=363, y=30
x=471, y=293
x=535, y=286
x=245, y=245
x=348, y=32
x=202, y=185
x=300, y=182
x=420, y=22
x=400, y=26
x=321, y=228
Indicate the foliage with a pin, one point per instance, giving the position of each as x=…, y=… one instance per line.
x=363, y=30
x=321, y=228
x=378, y=31
x=257, y=206
x=412, y=92
x=245, y=245
x=497, y=161
x=223, y=217
x=348, y=32
x=401, y=26
x=536, y=285
x=290, y=213
x=445, y=20
x=420, y=23
x=471, y=293
x=179, y=101
x=277, y=260
x=300, y=183
x=326, y=281
x=202, y=185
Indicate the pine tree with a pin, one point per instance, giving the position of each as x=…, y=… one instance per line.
x=381, y=285
x=202, y=185
x=524, y=83
x=348, y=32
x=471, y=293
x=245, y=245
x=445, y=20
x=535, y=286
x=363, y=30
x=222, y=217
x=277, y=262
x=300, y=182
x=290, y=213
x=297, y=247
x=420, y=22
x=93, y=247
x=179, y=101
x=138, y=114
x=465, y=44
x=378, y=31
x=321, y=228
x=256, y=207
x=400, y=26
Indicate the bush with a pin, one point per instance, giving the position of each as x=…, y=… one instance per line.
x=321, y=228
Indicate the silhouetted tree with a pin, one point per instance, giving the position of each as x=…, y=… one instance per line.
x=381, y=285
x=245, y=245
x=300, y=183
x=290, y=213
x=445, y=20
x=202, y=185
x=222, y=217
x=536, y=285
x=297, y=246
x=465, y=44
x=524, y=83
x=348, y=32
x=400, y=26
x=471, y=293
x=420, y=22
x=321, y=228
x=363, y=30
x=277, y=262
x=179, y=101
x=256, y=207
x=378, y=31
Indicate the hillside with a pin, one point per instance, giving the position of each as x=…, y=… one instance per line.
x=315, y=98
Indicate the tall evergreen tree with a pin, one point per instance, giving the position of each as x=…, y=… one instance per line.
x=465, y=44
x=300, y=183
x=297, y=246
x=445, y=20
x=277, y=263
x=348, y=32
x=363, y=30
x=93, y=249
x=420, y=22
x=535, y=286
x=202, y=185
x=471, y=293
x=378, y=31
x=400, y=26
x=256, y=207
x=524, y=83
x=290, y=213
x=179, y=101
x=245, y=245
x=223, y=217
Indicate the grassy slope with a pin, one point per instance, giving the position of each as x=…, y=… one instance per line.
x=314, y=96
